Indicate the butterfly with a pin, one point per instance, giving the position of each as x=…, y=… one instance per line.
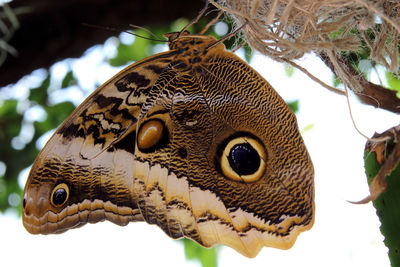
x=193, y=140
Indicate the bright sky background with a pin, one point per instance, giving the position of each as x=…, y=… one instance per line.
x=343, y=234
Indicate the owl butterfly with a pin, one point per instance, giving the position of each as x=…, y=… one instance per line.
x=193, y=140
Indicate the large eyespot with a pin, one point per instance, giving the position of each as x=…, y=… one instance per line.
x=59, y=195
x=243, y=159
x=151, y=135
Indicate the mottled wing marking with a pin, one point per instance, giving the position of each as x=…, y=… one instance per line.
x=111, y=111
x=204, y=95
x=93, y=152
x=100, y=189
x=206, y=102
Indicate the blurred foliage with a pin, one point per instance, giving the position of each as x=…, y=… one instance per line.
x=360, y=61
x=393, y=82
x=15, y=152
x=69, y=80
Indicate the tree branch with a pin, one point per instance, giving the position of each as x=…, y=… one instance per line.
x=50, y=30
x=372, y=94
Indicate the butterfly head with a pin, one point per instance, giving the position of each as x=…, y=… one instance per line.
x=185, y=41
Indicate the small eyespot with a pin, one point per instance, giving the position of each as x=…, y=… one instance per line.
x=150, y=135
x=24, y=202
x=59, y=195
x=243, y=159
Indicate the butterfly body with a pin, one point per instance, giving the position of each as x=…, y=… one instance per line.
x=192, y=140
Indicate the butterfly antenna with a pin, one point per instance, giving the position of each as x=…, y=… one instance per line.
x=229, y=35
x=119, y=31
x=146, y=30
x=195, y=20
x=238, y=47
x=212, y=22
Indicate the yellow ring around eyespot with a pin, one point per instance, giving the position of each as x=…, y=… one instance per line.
x=59, y=186
x=150, y=134
x=227, y=169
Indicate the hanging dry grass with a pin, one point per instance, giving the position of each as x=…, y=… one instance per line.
x=287, y=29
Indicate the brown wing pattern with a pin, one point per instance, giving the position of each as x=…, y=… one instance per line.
x=192, y=140
x=92, y=153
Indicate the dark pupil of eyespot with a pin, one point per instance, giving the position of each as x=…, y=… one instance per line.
x=59, y=196
x=244, y=159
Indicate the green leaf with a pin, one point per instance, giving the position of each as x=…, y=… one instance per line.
x=289, y=70
x=124, y=55
x=179, y=24
x=3, y=195
x=336, y=81
x=10, y=126
x=393, y=82
x=334, y=35
x=307, y=128
x=138, y=50
x=248, y=53
x=10, y=121
x=68, y=80
x=206, y=256
x=39, y=94
x=387, y=206
x=293, y=105
x=55, y=116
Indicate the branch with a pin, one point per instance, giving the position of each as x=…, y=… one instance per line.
x=48, y=31
x=371, y=94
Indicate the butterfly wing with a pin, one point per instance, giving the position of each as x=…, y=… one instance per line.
x=185, y=179
x=192, y=140
x=91, y=155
